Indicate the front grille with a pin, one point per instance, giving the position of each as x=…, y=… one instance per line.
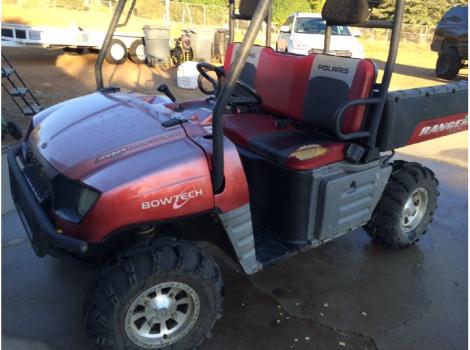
x=35, y=34
x=38, y=182
x=36, y=178
x=340, y=53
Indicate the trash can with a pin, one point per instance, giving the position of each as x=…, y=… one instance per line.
x=221, y=38
x=202, y=42
x=157, y=44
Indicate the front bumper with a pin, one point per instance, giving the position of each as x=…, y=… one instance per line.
x=299, y=51
x=40, y=230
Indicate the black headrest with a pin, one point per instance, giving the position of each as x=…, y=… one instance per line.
x=344, y=12
x=247, y=7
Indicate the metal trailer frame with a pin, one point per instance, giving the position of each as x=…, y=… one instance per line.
x=20, y=35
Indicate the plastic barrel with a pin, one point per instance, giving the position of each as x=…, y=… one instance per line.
x=202, y=42
x=157, y=44
x=221, y=37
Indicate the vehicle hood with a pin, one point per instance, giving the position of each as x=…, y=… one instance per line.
x=338, y=42
x=82, y=136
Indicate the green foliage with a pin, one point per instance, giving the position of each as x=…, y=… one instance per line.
x=416, y=11
x=223, y=3
x=283, y=8
x=316, y=5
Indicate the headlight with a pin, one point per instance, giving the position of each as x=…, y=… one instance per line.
x=86, y=199
x=71, y=199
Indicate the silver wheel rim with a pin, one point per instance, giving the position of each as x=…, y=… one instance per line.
x=162, y=315
x=140, y=52
x=414, y=210
x=117, y=52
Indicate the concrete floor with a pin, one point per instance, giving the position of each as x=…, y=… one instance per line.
x=347, y=294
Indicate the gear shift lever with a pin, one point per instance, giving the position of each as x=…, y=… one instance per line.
x=166, y=90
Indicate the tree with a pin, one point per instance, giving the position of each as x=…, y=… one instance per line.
x=283, y=9
x=416, y=11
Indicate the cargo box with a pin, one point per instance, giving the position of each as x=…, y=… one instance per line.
x=421, y=114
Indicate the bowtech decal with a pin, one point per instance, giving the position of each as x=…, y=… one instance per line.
x=177, y=200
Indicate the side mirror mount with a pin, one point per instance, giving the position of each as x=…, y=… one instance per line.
x=285, y=29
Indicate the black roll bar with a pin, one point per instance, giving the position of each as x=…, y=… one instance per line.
x=378, y=109
x=379, y=99
x=109, y=36
x=259, y=16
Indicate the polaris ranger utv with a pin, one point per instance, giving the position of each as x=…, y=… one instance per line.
x=289, y=152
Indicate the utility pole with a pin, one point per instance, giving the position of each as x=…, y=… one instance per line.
x=167, y=11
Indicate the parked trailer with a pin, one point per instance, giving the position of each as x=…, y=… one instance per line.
x=75, y=39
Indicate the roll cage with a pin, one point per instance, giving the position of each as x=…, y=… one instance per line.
x=262, y=12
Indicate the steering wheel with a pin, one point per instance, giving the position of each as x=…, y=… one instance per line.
x=204, y=68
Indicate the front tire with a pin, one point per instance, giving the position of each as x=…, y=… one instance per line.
x=448, y=64
x=160, y=294
x=407, y=206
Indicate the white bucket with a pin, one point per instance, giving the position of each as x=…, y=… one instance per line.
x=187, y=75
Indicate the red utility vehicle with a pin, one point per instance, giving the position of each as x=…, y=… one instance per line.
x=289, y=153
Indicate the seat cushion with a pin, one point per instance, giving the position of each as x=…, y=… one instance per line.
x=242, y=128
x=277, y=140
x=297, y=149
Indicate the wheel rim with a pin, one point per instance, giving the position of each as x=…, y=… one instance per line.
x=414, y=210
x=162, y=315
x=117, y=52
x=140, y=52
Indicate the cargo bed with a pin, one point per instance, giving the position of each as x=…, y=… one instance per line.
x=417, y=115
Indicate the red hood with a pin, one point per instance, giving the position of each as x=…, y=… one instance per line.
x=81, y=136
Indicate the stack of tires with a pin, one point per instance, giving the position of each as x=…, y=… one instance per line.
x=118, y=52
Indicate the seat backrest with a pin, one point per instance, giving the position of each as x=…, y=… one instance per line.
x=249, y=71
x=308, y=89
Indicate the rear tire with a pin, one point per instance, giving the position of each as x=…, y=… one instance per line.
x=117, y=53
x=448, y=64
x=121, y=291
x=407, y=206
x=137, y=52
